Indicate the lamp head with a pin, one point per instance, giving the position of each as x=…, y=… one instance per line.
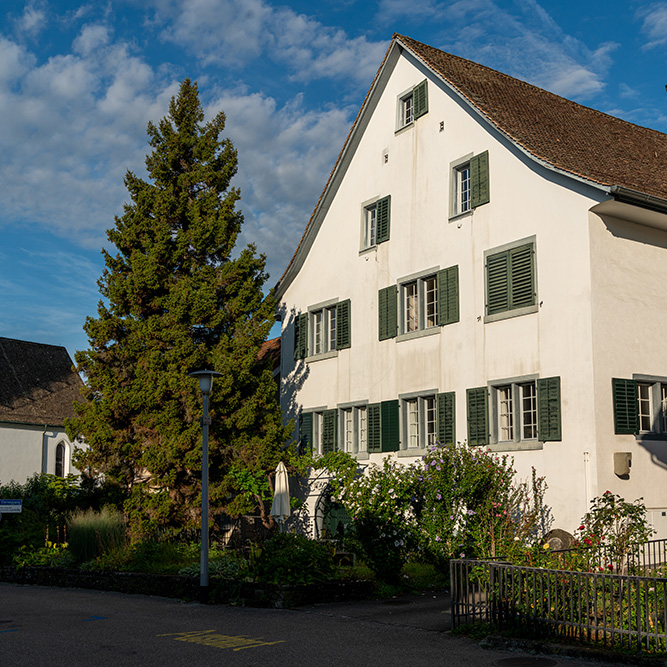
x=205, y=380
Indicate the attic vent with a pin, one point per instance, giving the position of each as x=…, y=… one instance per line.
x=442, y=126
x=386, y=158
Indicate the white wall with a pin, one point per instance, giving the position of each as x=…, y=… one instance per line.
x=629, y=275
x=26, y=450
x=526, y=201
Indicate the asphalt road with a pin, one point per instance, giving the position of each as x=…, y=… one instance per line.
x=56, y=626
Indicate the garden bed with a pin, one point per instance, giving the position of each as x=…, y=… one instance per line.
x=221, y=591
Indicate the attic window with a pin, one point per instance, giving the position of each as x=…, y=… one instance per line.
x=412, y=104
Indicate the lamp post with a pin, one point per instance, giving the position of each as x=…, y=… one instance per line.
x=205, y=384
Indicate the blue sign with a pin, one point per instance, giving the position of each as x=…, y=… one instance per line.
x=10, y=506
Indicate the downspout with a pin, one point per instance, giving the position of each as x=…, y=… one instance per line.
x=45, y=449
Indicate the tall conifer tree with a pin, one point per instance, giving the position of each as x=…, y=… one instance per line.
x=177, y=298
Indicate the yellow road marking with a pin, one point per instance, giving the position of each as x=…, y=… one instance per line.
x=211, y=638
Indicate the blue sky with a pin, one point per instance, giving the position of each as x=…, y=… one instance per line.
x=79, y=82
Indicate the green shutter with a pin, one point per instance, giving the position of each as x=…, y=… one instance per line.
x=446, y=418
x=420, y=99
x=329, y=430
x=548, y=409
x=383, y=219
x=497, y=283
x=389, y=428
x=478, y=416
x=387, y=315
x=448, y=295
x=306, y=431
x=522, y=276
x=343, y=340
x=301, y=336
x=479, y=179
x=374, y=428
x=626, y=410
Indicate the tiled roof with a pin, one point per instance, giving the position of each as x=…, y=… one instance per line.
x=270, y=349
x=37, y=383
x=567, y=135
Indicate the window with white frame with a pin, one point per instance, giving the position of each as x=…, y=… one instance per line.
x=462, y=192
x=412, y=104
x=419, y=299
x=406, y=110
x=640, y=406
x=420, y=421
x=353, y=429
x=644, y=406
x=323, y=328
x=515, y=410
x=370, y=226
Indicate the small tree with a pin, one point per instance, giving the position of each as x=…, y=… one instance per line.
x=611, y=528
x=178, y=297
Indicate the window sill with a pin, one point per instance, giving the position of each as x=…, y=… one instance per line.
x=320, y=357
x=526, y=445
x=400, y=130
x=366, y=251
x=507, y=314
x=456, y=217
x=431, y=331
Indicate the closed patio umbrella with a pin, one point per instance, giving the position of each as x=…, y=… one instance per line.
x=280, y=508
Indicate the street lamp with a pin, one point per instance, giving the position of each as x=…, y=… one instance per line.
x=205, y=384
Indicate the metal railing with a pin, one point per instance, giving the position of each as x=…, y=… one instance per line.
x=618, y=611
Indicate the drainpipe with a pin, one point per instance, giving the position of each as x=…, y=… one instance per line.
x=587, y=481
x=45, y=449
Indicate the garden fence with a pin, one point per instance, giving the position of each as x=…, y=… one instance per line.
x=617, y=611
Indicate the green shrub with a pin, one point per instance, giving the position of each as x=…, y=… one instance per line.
x=288, y=558
x=92, y=534
x=227, y=565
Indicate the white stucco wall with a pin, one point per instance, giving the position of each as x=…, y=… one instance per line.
x=629, y=307
x=26, y=450
x=526, y=201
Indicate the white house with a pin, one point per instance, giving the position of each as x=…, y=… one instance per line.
x=37, y=391
x=487, y=263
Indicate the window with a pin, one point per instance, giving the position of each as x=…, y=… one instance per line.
x=640, y=405
x=427, y=419
x=516, y=408
x=462, y=189
x=412, y=104
x=318, y=431
x=420, y=304
x=354, y=430
x=382, y=427
x=375, y=222
x=469, y=183
x=60, y=460
x=324, y=329
x=419, y=415
x=426, y=301
x=521, y=410
x=510, y=281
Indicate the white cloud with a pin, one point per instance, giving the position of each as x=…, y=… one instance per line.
x=71, y=128
x=285, y=156
x=235, y=32
x=525, y=42
x=32, y=21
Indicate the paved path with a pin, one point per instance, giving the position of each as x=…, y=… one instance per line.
x=71, y=627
